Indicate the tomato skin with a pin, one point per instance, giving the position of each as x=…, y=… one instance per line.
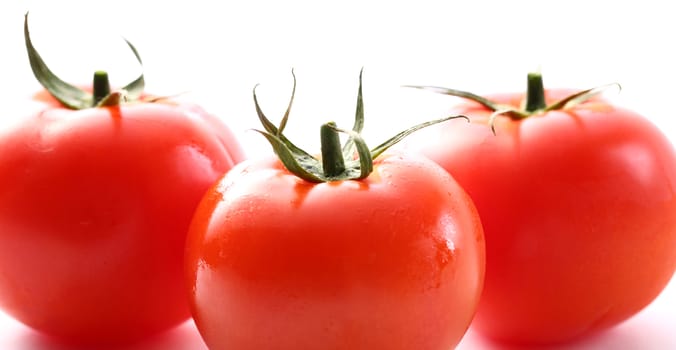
x=578, y=211
x=394, y=261
x=94, y=210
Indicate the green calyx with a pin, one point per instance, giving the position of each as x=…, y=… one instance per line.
x=351, y=161
x=533, y=104
x=73, y=97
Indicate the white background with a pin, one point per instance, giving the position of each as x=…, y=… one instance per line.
x=215, y=52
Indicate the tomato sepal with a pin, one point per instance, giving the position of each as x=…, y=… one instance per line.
x=73, y=97
x=352, y=161
x=533, y=104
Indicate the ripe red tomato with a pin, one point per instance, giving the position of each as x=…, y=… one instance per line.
x=578, y=210
x=393, y=260
x=95, y=206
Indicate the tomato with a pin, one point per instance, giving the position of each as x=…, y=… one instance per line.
x=95, y=206
x=393, y=259
x=577, y=205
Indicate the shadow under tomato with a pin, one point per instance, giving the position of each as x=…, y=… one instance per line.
x=184, y=336
x=621, y=337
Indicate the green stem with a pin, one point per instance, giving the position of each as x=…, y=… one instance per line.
x=535, y=95
x=101, y=87
x=332, y=154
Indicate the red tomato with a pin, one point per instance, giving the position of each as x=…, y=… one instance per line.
x=94, y=209
x=391, y=261
x=95, y=206
x=578, y=210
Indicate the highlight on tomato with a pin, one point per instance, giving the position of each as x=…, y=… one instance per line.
x=577, y=199
x=355, y=249
x=97, y=190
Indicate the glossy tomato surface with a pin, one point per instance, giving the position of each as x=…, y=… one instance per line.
x=94, y=210
x=579, y=213
x=394, y=261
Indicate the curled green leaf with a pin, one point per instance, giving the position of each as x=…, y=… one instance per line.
x=582, y=96
x=534, y=102
x=71, y=96
x=352, y=161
